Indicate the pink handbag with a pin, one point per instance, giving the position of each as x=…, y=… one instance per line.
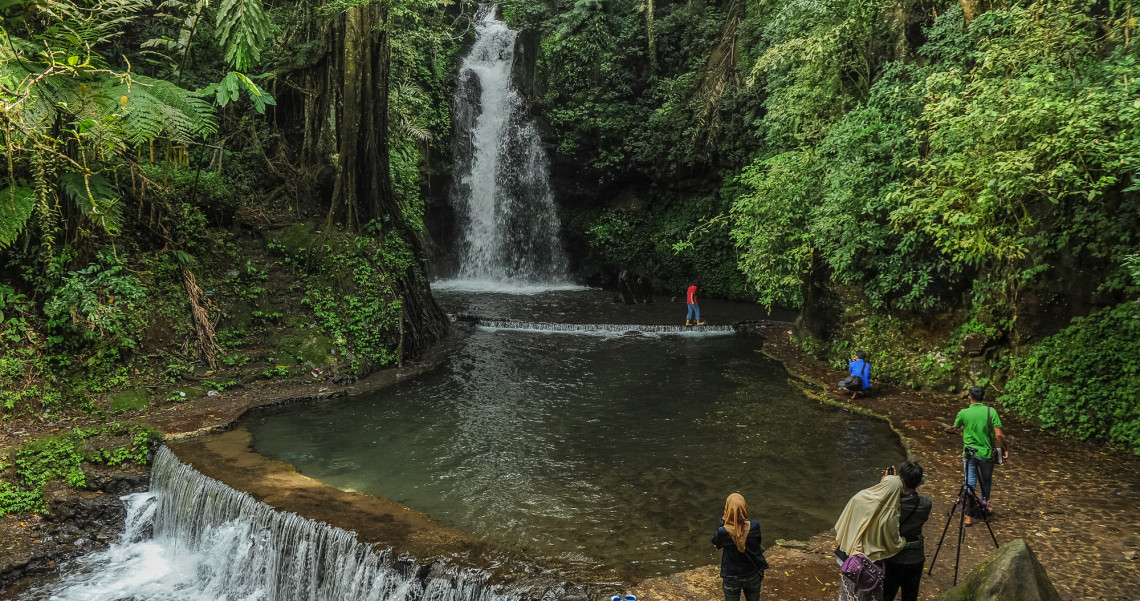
x=863, y=572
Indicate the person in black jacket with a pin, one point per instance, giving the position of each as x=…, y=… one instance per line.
x=742, y=562
x=904, y=570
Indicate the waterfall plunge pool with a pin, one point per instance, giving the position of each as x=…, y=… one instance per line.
x=609, y=449
x=580, y=461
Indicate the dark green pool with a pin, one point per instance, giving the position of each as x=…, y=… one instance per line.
x=614, y=450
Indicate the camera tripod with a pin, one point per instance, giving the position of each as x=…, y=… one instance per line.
x=969, y=501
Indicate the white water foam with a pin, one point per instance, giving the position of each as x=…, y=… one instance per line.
x=504, y=287
x=193, y=538
x=604, y=329
x=502, y=192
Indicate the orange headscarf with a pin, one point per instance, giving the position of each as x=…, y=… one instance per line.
x=736, y=520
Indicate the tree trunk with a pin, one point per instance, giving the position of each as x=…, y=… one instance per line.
x=356, y=77
x=346, y=125
x=973, y=8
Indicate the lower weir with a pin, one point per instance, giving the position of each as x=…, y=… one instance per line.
x=194, y=538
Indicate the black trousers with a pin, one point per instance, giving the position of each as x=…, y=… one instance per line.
x=750, y=586
x=902, y=575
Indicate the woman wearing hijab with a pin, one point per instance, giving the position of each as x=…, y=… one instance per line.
x=742, y=563
x=869, y=525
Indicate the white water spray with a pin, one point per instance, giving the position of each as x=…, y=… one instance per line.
x=502, y=191
x=192, y=538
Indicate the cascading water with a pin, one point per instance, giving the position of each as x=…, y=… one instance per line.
x=598, y=328
x=192, y=538
x=502, y=193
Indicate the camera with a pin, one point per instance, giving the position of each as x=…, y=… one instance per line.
x=891, y=471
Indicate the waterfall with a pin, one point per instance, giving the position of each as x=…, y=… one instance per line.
x=502, y=193
x=192, y=538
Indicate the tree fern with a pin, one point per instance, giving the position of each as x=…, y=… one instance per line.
x=16, y=203
x=67, y=116
x=96, y=198
x=155, y=108
x=242, y=30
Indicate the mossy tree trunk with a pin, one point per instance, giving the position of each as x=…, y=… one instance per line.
x=346, y=125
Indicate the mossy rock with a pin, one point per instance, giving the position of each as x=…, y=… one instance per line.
x=292, y=240
x=238, y=315
x=297, y=322
x=310, y=347
x=1010, y=573
x=268, y=306
x=185, y=393
x=128, y=400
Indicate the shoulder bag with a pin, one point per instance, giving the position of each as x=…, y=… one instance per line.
x=863, y=572
x=997, y=455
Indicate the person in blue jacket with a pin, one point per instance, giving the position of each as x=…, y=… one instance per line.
x=742, y=562
x=860, y=368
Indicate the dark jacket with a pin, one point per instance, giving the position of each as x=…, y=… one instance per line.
x=913, y=513
x=734, y=563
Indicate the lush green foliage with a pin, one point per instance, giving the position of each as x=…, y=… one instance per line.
x=29, y=469
x=242, y=30
x=1026, y=151
x=1084, y=381
x=73, y=122
x=349, y=285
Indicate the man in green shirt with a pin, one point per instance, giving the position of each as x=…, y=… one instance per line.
x=981, y=427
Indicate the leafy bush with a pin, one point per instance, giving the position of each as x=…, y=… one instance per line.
x=61, y=458
x=1085, y=380
x=97, y=303
x=349, y=285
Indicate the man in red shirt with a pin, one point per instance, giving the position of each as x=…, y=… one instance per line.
x=694, y=309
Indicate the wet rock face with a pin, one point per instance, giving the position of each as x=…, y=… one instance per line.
x=634, y=288
x=76, y=523
x=1011, y=573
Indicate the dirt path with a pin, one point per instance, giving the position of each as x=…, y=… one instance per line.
x=1077, y=505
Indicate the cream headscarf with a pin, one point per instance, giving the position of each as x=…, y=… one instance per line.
x=870, y=522
x=736, y=520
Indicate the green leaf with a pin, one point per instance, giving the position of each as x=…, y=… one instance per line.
x=242, y=31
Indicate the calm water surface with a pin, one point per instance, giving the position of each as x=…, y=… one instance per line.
x=613, y=450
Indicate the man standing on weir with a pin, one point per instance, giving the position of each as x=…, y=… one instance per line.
x=694, y=309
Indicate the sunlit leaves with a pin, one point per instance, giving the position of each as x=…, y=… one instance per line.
x=773, y=225
x=230, y=87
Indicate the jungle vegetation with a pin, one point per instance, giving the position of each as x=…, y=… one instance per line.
x=196, y=196
x=951, y=185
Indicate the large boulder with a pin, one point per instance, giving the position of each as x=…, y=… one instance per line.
x=1011, y=573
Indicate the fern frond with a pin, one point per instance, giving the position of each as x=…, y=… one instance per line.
x=96, y=198
x=16, y=204
x=155, y=108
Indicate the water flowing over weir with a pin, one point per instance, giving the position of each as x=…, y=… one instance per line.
x=193, y=538
x=594, y=328
x=502, y=193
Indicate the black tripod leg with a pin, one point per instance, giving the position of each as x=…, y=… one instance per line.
x=949, y=518
x=961, y=538
x=986, y=519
